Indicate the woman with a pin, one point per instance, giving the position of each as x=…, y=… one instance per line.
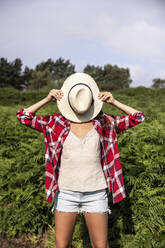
x=81, y=155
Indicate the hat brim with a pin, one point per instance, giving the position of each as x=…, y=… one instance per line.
x=63, y=104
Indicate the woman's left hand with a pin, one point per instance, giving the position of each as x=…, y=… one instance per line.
x=106, y=97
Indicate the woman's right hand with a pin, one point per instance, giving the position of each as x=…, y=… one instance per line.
x=55, y=95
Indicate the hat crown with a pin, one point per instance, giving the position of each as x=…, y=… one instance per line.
x=80, y=98
x=80, y=104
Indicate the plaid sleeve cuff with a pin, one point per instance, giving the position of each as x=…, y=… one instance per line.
x=23, y=112
x=140, y=114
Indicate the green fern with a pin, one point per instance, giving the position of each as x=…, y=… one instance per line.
x=138, y=221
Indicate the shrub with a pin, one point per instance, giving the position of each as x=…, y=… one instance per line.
x=138, y=221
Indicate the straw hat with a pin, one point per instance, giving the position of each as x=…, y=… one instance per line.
x=80, y=102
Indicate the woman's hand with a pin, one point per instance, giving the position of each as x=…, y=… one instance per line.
x=52, y=96
x=106, y=97
x=55, y=95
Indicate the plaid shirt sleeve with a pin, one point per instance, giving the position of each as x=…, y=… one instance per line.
x=123, y=122
x=29, y=119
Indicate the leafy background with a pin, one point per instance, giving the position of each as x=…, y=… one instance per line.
x=25, y=216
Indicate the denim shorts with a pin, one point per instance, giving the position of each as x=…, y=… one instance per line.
x=75, y=201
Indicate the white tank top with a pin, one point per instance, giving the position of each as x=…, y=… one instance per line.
x=80, y=168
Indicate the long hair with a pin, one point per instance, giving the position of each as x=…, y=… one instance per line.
x=102, y=118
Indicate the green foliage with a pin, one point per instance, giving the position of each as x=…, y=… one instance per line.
x=47, y=73
x=109, y=77
x=11, y=96
x=11, y=73
x=95, y=71
x=22, y=199
x=138, y=221
x=58, y=69
x=39, y=79
x=158, y=83
x=143, y=151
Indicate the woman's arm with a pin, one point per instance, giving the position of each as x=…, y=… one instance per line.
x=27, y=116
x=35, y=107
x=123, y=122
x=126, y=109
x=108, y=98
x=53, y=95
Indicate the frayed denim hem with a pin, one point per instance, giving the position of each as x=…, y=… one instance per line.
x=81, y=211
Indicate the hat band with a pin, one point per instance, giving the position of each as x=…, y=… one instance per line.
x=73, y=87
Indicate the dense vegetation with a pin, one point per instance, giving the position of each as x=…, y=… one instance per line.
x=138, y=221
x=49, y=72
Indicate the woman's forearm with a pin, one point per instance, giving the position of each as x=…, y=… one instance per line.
x=128, y=110
x=108, y=98
x=35, y=107
x=52, y=96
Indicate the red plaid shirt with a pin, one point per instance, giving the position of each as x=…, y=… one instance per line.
x=56, y=128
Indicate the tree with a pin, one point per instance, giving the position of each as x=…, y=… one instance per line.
x=59, y=69
x=158, y=83
x=11, y=73
x=116, y=77
x=17, y=76
x=5, y=72
x=27, y=75
x=94, y=71
x=39, y=79
x=63, y=68
x=109, y=77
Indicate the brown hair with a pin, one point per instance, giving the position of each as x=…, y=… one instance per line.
x=102, y=118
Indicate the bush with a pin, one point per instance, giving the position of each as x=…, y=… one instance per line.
x=11, y=96
x=138, y=221
x=22, y=201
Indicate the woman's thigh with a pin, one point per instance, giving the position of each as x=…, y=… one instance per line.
x=97, y=224
x=64, y=227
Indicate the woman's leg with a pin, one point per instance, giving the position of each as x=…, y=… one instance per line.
x=97, y=224
x=64, y=227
